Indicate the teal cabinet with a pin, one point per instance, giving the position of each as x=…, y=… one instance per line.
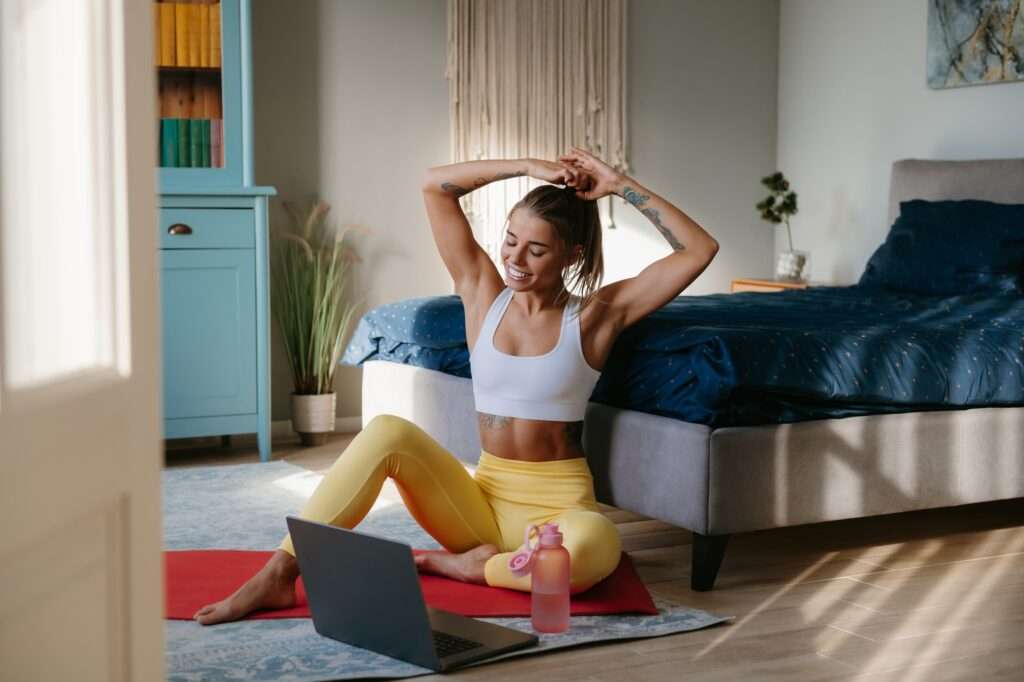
x=215, y=303
x=209, y=332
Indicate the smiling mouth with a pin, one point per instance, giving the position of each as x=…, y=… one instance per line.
x=516, y=274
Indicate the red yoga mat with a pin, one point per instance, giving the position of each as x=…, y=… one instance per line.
x=198, y=577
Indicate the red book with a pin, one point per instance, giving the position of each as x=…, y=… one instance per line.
x=217, y=143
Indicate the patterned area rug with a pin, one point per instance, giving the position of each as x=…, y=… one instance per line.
x=243, y=507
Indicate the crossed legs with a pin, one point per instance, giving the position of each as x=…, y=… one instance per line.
x=443, y=498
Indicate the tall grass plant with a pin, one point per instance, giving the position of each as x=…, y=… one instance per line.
x=311, y=271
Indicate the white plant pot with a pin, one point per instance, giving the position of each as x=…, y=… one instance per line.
x=792, y=265
x=313, y=417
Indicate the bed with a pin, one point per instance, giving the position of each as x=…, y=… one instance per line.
x=731, y=413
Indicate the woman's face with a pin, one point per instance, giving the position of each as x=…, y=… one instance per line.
x=531, y=247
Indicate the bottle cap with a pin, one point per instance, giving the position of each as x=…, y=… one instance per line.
x=550, y=535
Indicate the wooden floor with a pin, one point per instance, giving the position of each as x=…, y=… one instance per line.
x=934, y=595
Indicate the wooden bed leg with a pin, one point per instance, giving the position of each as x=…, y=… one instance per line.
x=706, y=559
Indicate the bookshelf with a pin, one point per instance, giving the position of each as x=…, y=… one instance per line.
x=213, y=225
x=202, y=124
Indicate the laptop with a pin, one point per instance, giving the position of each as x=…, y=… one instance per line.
x=364, y=590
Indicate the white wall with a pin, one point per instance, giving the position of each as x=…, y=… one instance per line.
x=702, y=88
x=853, y=97
x=351, y=104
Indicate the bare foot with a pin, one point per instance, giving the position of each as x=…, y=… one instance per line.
x=467, y=567
x=272, y=588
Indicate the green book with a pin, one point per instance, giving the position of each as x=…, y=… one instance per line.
x=195, y=140
x=184, y=156
x=205, y=148
x=168, y=142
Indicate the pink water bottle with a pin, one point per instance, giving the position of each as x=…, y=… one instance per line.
x=548, y=562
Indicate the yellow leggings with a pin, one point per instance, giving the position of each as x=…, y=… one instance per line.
x=461, y=511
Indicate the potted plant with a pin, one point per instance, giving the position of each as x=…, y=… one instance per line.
x=778, y=206
x=310, y=270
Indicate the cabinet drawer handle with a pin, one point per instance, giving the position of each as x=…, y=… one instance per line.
x=179, y=228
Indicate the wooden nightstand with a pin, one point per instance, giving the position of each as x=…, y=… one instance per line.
x=754, y=284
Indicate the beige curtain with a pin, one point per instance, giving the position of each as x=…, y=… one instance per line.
x=531, y=78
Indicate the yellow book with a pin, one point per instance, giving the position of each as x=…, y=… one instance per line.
x=156, y=34
x=167, y=56
x=181, y=33
x=193, y=34
x=204, y=35
x=215, y=34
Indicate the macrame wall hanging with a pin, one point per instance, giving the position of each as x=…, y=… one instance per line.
x=532, y=78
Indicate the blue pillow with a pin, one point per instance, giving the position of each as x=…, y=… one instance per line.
x=951, y=247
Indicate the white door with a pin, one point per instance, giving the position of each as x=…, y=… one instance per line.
x=81, y=575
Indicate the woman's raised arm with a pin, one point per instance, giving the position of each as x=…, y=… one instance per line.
x=465, y=260
x=457, y=179
x=693, y=248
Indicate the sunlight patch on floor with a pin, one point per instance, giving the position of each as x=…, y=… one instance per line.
x=934, y=642
x=302, y=483
x=830, y=645
x=738, y=626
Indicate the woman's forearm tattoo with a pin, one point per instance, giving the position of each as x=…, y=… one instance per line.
x=452, y=188
x=634, y=197
x=655, y=218
x=458, y=191
x=481, y=181
x=637, y=199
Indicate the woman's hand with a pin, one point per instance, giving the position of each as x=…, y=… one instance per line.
x=557, y=173
x=601, y=179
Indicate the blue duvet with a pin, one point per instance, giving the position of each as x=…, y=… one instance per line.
x=765, y=358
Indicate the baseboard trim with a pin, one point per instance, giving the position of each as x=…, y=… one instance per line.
x=283, y=427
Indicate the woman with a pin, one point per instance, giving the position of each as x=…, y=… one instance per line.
x=536, y=353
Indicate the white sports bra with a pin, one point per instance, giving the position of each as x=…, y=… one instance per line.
x=554, y=386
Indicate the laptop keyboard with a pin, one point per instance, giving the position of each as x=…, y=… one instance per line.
x=448, y=645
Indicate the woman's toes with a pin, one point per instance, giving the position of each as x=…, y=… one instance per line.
x=467, y=567
x=208, y=615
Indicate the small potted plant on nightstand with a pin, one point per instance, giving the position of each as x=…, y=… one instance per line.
x=776, y=207
x=311, y=267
